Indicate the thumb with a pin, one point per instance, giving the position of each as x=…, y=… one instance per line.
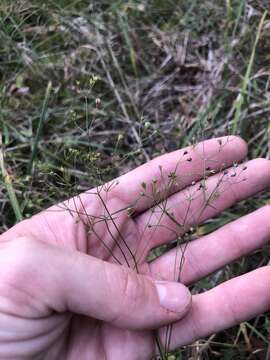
x=69, y=280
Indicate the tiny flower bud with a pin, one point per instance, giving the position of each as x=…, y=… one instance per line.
x=98, y=102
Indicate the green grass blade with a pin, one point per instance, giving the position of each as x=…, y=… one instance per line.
x=40, y=126
x=9, y=186
x=243, y=91
x=255, y=331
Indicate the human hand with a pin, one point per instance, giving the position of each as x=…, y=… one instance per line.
x=75, y=281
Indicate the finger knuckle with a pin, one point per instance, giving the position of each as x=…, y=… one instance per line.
x=132, y=289
x=130, y=294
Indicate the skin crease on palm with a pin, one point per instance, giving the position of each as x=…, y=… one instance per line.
x=63, y=294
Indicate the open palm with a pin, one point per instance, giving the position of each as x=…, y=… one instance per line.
x=49, y=310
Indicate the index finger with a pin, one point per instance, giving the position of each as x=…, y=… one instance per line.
x=174, y=171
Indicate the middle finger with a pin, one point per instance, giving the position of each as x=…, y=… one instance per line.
x=199, y=202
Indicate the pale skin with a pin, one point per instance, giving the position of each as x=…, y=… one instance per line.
x=63, y=294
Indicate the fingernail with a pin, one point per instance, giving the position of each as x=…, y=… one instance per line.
x=173, y=296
